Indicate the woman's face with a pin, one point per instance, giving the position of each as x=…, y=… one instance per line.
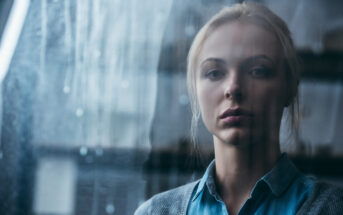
x=241, y=84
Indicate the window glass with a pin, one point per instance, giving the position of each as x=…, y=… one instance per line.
x=95, y=115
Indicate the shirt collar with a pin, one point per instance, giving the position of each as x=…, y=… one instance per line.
x=281, y=175
x=208, y=178
x=278, y=178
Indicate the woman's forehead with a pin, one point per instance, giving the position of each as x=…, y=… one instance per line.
x=237, y=40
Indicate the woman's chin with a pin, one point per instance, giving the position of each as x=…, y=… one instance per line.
x=235, y=136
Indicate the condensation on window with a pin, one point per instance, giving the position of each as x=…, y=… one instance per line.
x=95, y=115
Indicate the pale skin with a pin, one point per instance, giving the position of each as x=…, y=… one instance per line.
x=240, y=67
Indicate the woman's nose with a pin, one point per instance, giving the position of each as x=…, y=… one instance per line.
x=233, y=88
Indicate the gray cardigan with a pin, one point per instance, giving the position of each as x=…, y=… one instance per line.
x=324, y=199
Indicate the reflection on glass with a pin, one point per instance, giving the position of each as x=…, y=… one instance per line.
x=95, y=112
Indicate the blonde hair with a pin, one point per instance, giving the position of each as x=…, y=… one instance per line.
x=259, y=15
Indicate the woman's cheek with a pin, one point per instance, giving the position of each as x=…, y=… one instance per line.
x=268, y=105
x=207, y=102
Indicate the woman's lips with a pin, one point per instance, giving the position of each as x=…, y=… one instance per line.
x=235, y=116
x=235, y=120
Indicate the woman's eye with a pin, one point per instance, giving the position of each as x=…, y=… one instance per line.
x=260, y=72
x=214, y=75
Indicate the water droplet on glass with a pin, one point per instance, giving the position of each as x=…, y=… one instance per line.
x=66, y=89
x=317, y=47
x=183, y=100
x=99, y=151
x=79, y=112
x=110, y=208
x=125, y=84
x=159, y=15
x=189, y=30
x=89, y=159
x=83, y=150
x=97, y=53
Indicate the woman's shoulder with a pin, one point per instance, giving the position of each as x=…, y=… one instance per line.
x=325, y=198
x=174, y=201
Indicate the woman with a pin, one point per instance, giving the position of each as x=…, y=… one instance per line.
x=242, y=73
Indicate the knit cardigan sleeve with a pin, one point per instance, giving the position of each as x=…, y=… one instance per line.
x=170, y=202
x=325, y=199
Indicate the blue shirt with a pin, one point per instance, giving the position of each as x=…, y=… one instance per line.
x=281, y=191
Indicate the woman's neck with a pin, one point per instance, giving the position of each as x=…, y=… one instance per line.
x=239, y=168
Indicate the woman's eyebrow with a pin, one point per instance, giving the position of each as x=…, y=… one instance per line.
x=214, y=60
x=257, y=57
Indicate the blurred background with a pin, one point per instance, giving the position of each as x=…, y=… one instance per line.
x=94, y=112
